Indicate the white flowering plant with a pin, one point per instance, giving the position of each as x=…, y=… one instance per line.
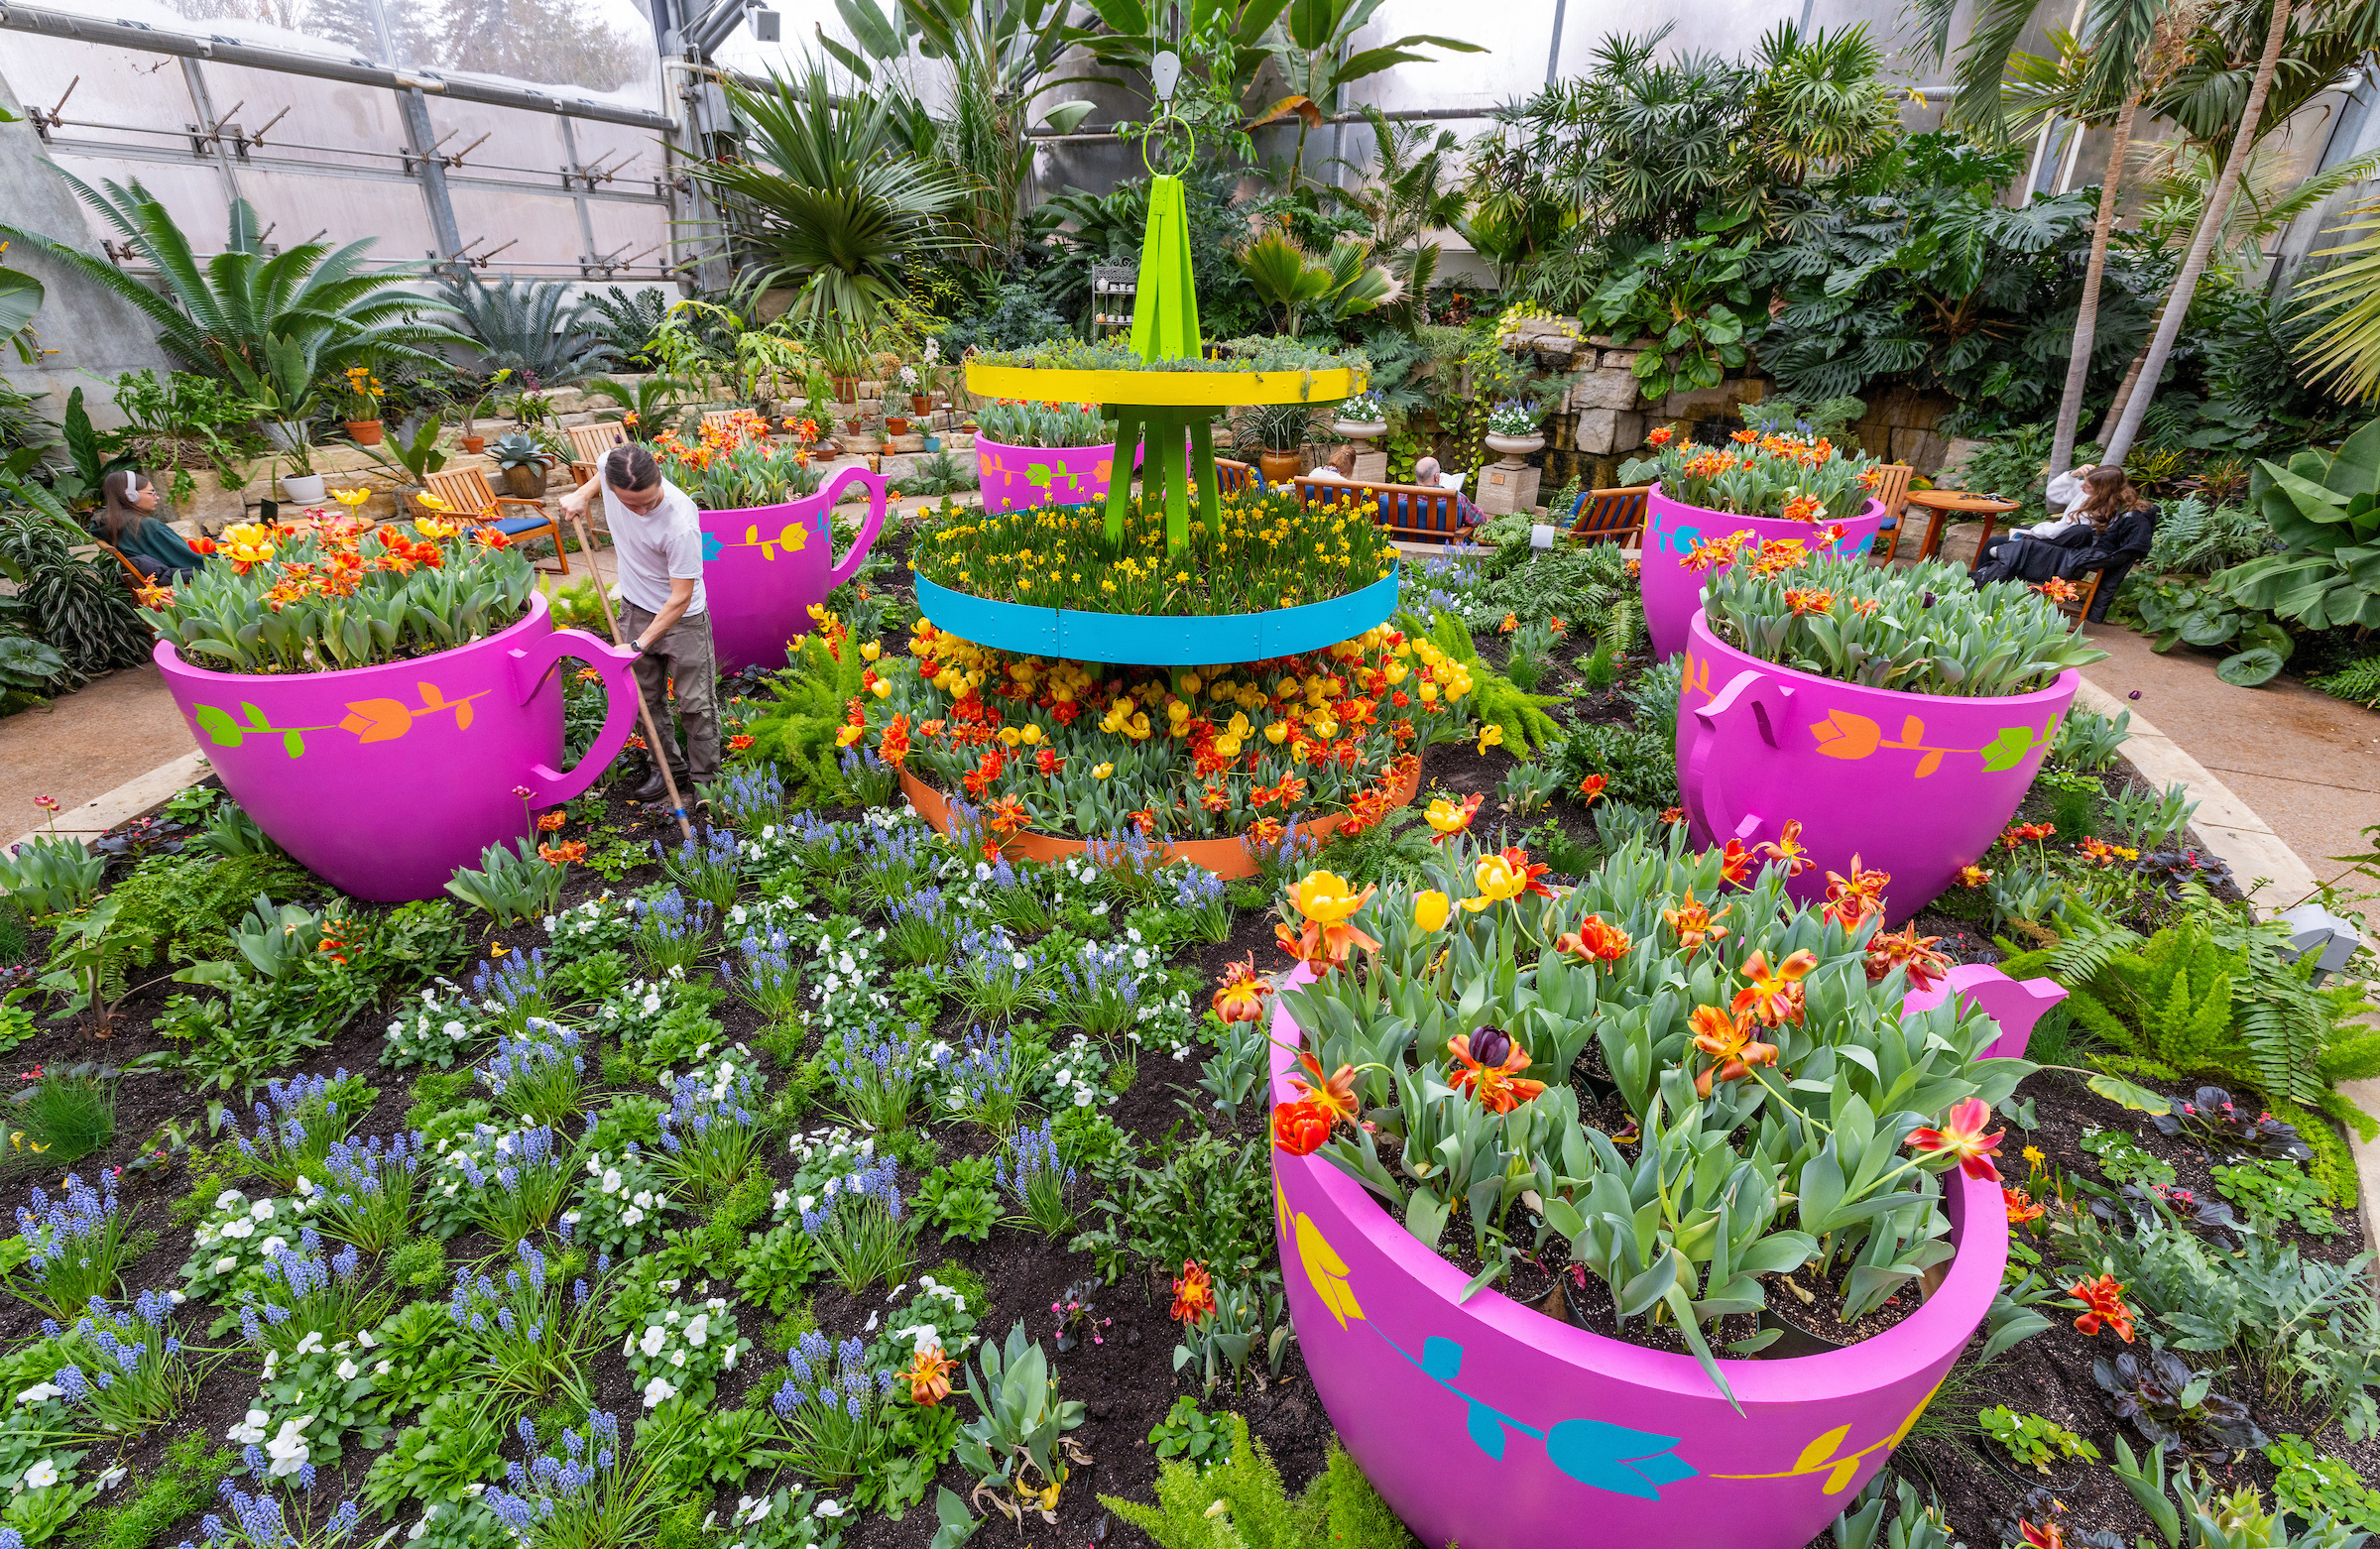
x=440, y=1025
x=1073, y=1076
x=46, y=1495
x=780, y=1519
x=847, y=975
x=621, y=1203
x=232, y=1248
x=512, y=1182
x=584, y=929
x=681, y=1349
x=321, y=1393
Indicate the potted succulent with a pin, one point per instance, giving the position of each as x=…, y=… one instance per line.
x=1781, y=486
x=469, y=438
x=1891, y=719
x=767, y=534
x=1659, y=1100
x=384, y=702
x=1041, y=454
x=362, y=392
x=524, y=463
x=1514, y=430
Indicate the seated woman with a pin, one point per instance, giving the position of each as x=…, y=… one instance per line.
x=1340, y=469
x=153, y=549
x=2109, y=529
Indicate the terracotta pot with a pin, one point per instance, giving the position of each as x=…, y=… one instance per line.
x=473, y=445
x=1488, y=1423
x=894, y=424
x=919, y=404
x=846, y=389
x=364, y=433
x=526, y=481
x=1917, y=786
x=424, y=755
x=1277, y=467
x=1673, y=593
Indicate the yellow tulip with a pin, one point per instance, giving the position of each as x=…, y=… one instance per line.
x=871, y=650
x=1498, y=879
x=1326, y=898
x=1430, y=910
x=1031, y=735
x=1276, y=733
x=1102, y=771
x=1490, y=736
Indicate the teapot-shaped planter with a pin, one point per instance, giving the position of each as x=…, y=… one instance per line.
x=765, y=566
x=384, y=780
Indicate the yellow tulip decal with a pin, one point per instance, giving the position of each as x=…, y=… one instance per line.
x=1325, y=1270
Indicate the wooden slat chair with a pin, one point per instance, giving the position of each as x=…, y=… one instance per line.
x=467, y=496
x=1407, y=511
x=132, y=571
x=1612, y=516
x=1893, y=490
x=1232, y=477
x=589, y=442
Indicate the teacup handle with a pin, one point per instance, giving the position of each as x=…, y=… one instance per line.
x=867, y=529
x=1749, y=694
x=532, y=661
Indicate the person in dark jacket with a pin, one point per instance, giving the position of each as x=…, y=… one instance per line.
x=155, y=549
x=2109, y=529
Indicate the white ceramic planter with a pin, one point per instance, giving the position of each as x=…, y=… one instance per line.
x=1514, y=447
x=307, y=491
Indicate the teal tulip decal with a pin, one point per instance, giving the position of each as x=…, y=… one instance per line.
x=1596, y=1453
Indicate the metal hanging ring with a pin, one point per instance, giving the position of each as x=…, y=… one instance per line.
x=1157, y=136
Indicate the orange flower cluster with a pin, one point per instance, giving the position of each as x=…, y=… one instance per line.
x=1908, y=951
x=2103, y=1301
x=1726, y=1038
x=1596, y=940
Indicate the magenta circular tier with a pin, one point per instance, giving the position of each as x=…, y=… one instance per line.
x=1917, y=786
x=1488, y=1423
x=1018, y=478
x=383, y=780
x=765, y=566
x=1672, y=529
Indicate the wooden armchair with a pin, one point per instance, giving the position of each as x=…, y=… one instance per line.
x=1232, y=477
x=588, y=443
x=467, y=496
x=1892, y=488
x=1612, y=516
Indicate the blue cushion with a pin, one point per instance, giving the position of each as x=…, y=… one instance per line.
x=517, y=524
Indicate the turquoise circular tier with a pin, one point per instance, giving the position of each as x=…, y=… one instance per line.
x=1157, y=640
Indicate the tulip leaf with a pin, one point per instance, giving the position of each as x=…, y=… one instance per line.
x=2132, y=1095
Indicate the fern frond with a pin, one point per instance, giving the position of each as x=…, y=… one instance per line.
x=2333, y=1165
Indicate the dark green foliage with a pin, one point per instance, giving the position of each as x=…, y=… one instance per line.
x=189, y=902
x=1637, y=766
x=1212, y=1200
x=961, y=1199
x=2358, y=683
x=80, y=608
x=1577, y=584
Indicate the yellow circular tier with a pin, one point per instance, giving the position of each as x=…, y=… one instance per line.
x=1164, y=388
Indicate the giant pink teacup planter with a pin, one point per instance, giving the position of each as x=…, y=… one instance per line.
x=1490, y=1424
x=765, y=566
x=1672, y=529
x=1018, y=478
x=382, y=780
x=1918, y=785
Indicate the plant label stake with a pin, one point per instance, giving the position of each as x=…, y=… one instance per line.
x=653, y=735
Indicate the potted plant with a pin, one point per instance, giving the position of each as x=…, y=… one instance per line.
x=897, y=425
x=362, y=392
x=1036, y=454
x=1897, y=717
x=1657, y=1100
x=384, y=703
x=767, y=534
x=912, y=383
x=1513, y=431
x=1777, y=486
x=300, y=485
x=1279, y=430
x=1361, y=418
x=845, y=351
x=469, y=438
x=524, y=463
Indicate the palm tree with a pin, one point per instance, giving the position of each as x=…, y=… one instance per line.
x=2348, y=346
x=824, y=201
x=1314, y=48
x=1284, y=276
x=2134, y=45
x=222, y=318
x=2201, y=242
x=1408, y=199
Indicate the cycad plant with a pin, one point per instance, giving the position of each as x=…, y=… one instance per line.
x=219, y=318
x=1286, y=276
x=529, y=328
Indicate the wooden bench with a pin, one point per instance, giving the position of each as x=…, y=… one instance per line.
x=1612, y=516
x=1407, y=511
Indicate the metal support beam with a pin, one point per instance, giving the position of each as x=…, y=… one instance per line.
x=413, y=108
x=1553, y=51
x=209, y=131
x=578, y=185
x=145, y=39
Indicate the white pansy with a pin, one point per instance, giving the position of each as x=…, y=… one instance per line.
x=347, y=1369
x=654, y=1337
x=288, y=1449
x=659, y=1392
x=698, y=1330
x=251, y=1430
x=829, y=1508
x=40, y=1393
x=41, y=1476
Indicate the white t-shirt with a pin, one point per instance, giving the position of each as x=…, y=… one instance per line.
x=652, y=551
